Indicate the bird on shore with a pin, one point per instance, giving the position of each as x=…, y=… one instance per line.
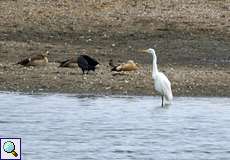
x=37, y=60
x=161, y=82
x=68, y=62
x=86, y=63
x=129, y=66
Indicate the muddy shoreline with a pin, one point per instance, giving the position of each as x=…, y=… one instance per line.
x=186, y=81
x=193, y=69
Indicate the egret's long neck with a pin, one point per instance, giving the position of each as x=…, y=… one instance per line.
x=155, y=69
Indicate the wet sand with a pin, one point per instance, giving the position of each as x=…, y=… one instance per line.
x=186, y=81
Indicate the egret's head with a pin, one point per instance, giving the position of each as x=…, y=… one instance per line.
x=150, y=50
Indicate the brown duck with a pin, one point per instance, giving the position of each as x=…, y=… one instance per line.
x=68, y=63
x=129, y=66
x=37, y=60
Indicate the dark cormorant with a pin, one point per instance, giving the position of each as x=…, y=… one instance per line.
x=86, y=63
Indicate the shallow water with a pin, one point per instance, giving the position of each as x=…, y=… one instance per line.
x=103, y=128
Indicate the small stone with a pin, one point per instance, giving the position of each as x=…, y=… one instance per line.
x=105, y=36
x=89, y=40
x=107, y=88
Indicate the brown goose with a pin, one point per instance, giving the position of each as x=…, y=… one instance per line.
x=37, y=60
x=68, y=62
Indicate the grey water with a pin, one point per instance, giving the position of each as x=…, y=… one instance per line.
x=54, y=126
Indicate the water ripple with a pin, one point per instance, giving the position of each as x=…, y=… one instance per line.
x=118, y=127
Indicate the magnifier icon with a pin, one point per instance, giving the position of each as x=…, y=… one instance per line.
x=9, y=147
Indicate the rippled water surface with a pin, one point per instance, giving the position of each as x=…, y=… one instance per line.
x=104, y=128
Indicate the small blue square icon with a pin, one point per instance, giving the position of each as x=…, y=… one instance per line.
x=10, y=148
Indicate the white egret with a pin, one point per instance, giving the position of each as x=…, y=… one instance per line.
x=161, y=82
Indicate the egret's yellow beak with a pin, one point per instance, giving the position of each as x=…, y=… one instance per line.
x=143, y=50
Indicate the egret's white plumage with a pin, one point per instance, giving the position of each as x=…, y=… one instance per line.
x=161, y=82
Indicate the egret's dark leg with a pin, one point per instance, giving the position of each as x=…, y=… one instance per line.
x=162, y=101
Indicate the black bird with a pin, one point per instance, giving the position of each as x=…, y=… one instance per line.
x=86, y=63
